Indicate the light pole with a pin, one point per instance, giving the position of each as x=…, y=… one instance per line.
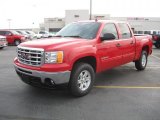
x=9, y=22
x=90, y=10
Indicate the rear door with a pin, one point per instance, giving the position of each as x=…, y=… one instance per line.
x=127, y=43
x=109, y=51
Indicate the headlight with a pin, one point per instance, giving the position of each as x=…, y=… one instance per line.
x=54, y=57
x=22, y=38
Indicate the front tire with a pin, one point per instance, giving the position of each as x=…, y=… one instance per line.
x=82, y=79
x=1, y=48
x=142, y=62
x=17, y=42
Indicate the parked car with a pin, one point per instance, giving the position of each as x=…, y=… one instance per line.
x=26, y=35
x=38, y=36
x=51, y=34
x=12, y=37
x=32, y=35
x=156, y=40
x=3, y=42
x=155, y=36
x=78, y=51
x=44, y=34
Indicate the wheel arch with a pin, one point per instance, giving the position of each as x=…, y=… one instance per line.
x=87, y=59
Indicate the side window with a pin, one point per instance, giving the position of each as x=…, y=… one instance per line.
x=110, y=28
x=2, y=33
x=7, y=33
x=125, y=31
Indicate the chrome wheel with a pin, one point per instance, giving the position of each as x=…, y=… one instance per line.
x=144, y=60
x=17, y=42
x=84, y=80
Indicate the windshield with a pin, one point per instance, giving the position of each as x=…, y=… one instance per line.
x=86, y=30
x=14, y=32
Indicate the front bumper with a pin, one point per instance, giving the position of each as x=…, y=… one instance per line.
x=3, y=44
x=57, y=77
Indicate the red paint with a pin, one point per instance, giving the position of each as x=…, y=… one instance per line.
x=12, y=37
x=107, y=54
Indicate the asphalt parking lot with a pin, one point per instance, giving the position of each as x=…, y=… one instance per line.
x=119, y=94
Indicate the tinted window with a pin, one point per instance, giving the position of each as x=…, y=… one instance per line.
x=86, y=30
x=110, y=28
x=124, y=30
x=2, y=32
x=7, y=33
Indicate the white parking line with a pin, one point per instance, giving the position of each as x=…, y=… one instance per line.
x=156, y=57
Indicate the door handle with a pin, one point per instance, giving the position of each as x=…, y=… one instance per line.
x=118, y=45
x=131, y=42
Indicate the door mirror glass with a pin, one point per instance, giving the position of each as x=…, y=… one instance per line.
x=108, y=36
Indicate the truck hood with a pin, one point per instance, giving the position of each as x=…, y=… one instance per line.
x=52, y=43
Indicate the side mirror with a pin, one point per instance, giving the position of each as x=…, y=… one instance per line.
x=108, y=36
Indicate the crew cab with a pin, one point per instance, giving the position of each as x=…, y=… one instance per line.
x=78, y=51
x=12, y=37
x=3, y=42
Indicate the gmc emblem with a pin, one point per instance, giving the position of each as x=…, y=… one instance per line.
x=25, y=56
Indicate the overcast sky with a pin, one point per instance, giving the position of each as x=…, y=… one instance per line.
x=23, y=13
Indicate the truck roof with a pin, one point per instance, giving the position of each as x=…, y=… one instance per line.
x=103, y=21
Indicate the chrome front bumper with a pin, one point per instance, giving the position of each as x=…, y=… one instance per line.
x=57, y=77
x=4, y=45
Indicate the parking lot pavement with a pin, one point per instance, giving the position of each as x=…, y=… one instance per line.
x=119, y=94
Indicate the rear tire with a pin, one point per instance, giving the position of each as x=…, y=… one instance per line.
x=82, y=79
x=142, y=62
x=1, y=48
x=17, y=42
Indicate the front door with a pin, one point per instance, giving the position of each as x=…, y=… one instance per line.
x=109, y=51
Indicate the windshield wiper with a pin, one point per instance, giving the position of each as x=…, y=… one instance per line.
x=76, y=36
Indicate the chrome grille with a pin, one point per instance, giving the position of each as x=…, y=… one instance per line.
x=31, y=56
x=3, y=39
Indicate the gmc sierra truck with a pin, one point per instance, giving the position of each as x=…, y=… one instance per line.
x=78, y=51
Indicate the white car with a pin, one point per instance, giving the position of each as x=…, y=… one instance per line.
x=44, y=34
x=32, y=35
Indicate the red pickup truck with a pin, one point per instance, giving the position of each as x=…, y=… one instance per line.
x=3, y=42
x=12, y=37
x=78, y=51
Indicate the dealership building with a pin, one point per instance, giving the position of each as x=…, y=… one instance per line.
x=137, y=23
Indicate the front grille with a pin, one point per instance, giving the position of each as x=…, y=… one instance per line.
x=31, y=56
x=3, y=39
